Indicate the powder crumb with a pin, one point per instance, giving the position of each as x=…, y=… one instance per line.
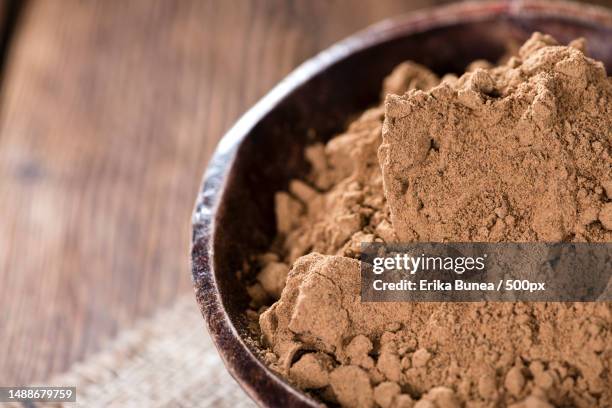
x=420, y=358
x=532, y=402
x=389, y=364
x=352, y=387
x=311, y=371
x=487, y=386
x=515, y=381
x=315, y=154
x=259, y=296
x=385, y=393
x=403, y=401
x=302, y=191
x=579, y=44
x=478, y=64
x=385, y=231
x=442, y=397
x=605, y=216
x=409, y=75
x=518, y=152
x=607, y=187
x=425, y=404
x=288, y=211
x=272, y=278
x=358, y=350
x=266, y=258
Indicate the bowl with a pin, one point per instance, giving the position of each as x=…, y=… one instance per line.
x=234, y=211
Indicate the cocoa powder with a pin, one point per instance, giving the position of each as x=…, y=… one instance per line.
x=517, y=152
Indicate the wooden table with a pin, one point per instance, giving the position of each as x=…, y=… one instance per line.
x=109, y=112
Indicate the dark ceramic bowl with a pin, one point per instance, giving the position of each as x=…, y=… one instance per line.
x=234, y=215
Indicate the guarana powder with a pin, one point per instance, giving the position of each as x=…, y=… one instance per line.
x=518, y=152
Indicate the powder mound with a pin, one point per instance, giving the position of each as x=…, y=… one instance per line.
x=329, y=342
x=516, y=152
x=342, y=203
x=519, y=152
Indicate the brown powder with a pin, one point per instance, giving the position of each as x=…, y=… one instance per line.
x=519, y=152
x=515, y=153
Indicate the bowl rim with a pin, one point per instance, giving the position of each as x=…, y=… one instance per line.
x=256, y=379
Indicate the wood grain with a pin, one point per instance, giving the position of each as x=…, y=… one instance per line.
x=110, y=110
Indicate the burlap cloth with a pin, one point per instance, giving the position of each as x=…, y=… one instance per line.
x=166, y=361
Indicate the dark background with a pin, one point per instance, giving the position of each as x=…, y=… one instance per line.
x=109, y=111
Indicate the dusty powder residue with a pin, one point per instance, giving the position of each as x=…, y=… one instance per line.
x=519, y=152
x=515, y=153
